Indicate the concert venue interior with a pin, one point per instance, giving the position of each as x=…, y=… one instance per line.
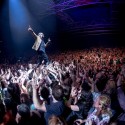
x=71, y=24
x=80, y=61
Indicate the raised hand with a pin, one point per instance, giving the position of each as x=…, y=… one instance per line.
x=49, y=40
x=35, y=86
x=29, y=28
x=74, y=92
x=79, y=121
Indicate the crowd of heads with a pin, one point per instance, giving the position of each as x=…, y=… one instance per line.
x=88, y=85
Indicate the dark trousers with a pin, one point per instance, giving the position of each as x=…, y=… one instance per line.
x=42, y=56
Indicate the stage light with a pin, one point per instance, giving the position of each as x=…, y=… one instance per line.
x=19, y=19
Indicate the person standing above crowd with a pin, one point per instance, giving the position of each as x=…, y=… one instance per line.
x=40, y=46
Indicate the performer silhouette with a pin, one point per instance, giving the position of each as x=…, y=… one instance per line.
x=40, y=46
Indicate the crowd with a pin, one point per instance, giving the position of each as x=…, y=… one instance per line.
x=85, y=87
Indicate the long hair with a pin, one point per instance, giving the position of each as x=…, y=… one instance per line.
x=105, y=102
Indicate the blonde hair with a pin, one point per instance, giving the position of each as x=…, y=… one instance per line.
x=105, y=102
x=54, y=120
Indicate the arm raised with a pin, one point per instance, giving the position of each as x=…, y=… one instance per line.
x=48, y=42
x=32, y=32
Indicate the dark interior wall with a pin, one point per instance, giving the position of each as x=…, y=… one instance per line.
x=111, y=18
x=104, y=40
